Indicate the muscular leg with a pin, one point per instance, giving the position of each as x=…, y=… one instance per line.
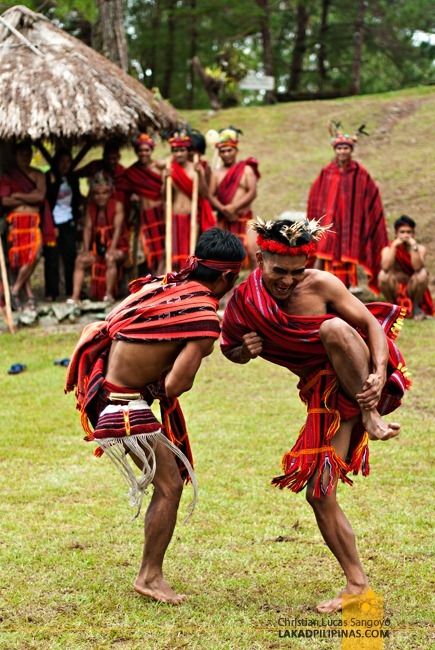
x=417, y=285
x=160, y=522
x=336, y=529
x=112, y=260
x=388, y=285
x=350, y=358
x=24, y=275
x=83, y=261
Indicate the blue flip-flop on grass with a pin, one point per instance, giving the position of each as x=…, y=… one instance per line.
x=16, y=368
x=62, y=362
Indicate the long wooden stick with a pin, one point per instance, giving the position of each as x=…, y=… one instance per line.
x=6, y=291
x=194, y=210
x=168, y=243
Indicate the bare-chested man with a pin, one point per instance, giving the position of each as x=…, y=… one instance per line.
x=182, y=172
x=105, y=242
x=233, y=189
x=403, y=279
x=22, y=194
x=349, y=368
x=143, y=182
x=151, y=346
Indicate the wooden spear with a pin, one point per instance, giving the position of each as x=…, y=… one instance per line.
x=194, y=210
x=168, y=246
x=6, y=291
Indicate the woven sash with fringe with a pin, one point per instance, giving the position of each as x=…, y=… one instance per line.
x=132, y=427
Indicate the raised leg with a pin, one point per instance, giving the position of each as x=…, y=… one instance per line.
x=160, y=522
x=350, y=358
x=337, y=531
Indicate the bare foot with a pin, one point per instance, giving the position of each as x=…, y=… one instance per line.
x=159, y=590
x=336, y=604
x=377, y=428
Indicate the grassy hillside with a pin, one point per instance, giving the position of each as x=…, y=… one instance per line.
x=292, y=143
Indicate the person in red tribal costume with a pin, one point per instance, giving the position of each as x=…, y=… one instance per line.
x=234, y=188
x=350, y=372
x=22, y=194
x=151, y=346
x=182, y=172
x=403, y=278
x=345, y=194
x=105, y=242
x=143, y=182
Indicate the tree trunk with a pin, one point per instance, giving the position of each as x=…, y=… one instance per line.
x=152, y=63
x=109, y=32
x=299, y=49
x=357, y=48
x=321, y=54
x=192, y=54
x=168, y=64
x=266, y=37
x=211, y=85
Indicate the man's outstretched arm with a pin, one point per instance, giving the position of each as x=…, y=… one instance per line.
x=182, y=374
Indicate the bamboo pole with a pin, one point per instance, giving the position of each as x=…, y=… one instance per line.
x=6, y=291
x=194, y=209
x=168, y=242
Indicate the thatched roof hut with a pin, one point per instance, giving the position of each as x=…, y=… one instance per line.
x=53, y=86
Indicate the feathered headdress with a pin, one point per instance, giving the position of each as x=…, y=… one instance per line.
x=229, y=137
x=338, y=136
x=288, y=237
x=180, y=139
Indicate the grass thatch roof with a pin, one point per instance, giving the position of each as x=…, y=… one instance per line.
x=55, y=86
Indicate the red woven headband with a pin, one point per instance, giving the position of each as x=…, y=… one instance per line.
x=227, y=143
x=282, y=249
x=192, y=264
x=144, y=138
x=180, y=141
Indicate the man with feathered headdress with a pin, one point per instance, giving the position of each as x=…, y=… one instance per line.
x=234, y=187
x=345, y=195
x=350, y=371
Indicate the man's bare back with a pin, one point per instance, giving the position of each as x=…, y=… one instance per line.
x=134, y=365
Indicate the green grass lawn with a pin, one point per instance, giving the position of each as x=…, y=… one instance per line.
x=69, y=551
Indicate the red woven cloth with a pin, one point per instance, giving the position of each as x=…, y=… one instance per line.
x=350, y=200
x=403, y=259
x=143, y=181
x=102, y=229
x=24, y=238
x=294, y=342
x=154, y=312
x=231, y=181
x=181, y=222
x=17, y=181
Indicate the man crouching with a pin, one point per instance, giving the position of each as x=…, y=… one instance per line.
x=151, y=347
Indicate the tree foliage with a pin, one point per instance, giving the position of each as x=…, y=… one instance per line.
x=313, y=48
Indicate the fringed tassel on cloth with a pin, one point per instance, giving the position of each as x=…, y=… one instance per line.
x=312, y=456
x=143, y=446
